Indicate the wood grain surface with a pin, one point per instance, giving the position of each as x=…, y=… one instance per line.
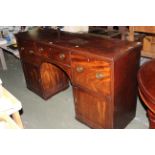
x=103, y=73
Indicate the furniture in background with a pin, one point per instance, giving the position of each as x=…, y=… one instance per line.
x=9, y=105
x=7, y=39
x=2, y=58
x=148, y=41
x=146, y=81
x=75, y=29
x=109, y=31
x=6, y=122
x=102, y=72
x=6, y=48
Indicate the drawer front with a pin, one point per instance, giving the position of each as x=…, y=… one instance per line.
x=92, y=75
x=26, y=48
x=27, y=54
x=61, y=56
x=25, y=43
x=43, y=50
x=37, y=49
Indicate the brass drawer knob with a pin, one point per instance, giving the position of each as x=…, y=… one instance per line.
x=99, y=75
x=41, y=49
x=22, y=48
x=31, y=51
x=50, y=43
x=79, y=69
x=62, y=56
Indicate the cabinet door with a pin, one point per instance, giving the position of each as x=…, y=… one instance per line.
x=32, y=77
x=53, y=80
x=92, y=110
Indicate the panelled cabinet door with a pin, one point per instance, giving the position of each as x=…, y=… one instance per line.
x=92, y=110
x=53, y=79
x=45, y=80
x=32, y=77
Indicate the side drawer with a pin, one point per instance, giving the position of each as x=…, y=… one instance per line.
x=25, y=43
x=26, y=48
x=38, y=49
x=43, y=50
x=94, y=75
x=61, y=56
x=27, y=54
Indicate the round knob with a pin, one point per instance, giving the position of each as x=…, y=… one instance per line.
x=22, y=48
x=99, y=75
x=62, y=56
x=31, y=51
x=41, y=49
x=50, y=43
x=79, y=69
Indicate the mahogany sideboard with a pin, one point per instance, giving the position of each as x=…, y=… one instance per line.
x=102, y=73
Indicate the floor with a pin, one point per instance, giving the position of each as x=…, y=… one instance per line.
x=58, y=111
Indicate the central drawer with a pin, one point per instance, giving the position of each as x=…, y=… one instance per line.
x=43, y=50
x=60, y=55
x=94, y=75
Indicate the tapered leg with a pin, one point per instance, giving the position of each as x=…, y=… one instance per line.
x=17, y=119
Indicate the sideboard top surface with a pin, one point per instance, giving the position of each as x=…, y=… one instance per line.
x=85, y=43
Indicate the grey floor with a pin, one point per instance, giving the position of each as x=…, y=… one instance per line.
x=58, y=111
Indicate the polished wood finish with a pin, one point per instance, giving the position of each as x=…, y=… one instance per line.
x=102, y=72
x=146, y=76
x=32, y=77
x=97, y=71
x=93, y=110
x=45, y=80
x=125, y=87
x=53, y=79
x=148, y=42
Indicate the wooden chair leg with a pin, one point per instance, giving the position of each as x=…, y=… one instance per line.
x=17, y=119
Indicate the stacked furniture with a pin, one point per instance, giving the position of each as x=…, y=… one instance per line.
x=148, y=41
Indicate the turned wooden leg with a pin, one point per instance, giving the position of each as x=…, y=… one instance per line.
x=17, y=119
x=151, y=116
